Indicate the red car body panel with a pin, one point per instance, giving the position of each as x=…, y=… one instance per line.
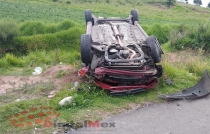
x=100, y=72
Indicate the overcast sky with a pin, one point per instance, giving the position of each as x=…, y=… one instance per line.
x=204, y=2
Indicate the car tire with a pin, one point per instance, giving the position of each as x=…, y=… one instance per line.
x=156, y=50
x=135, y=16
x=85, y=48
x=88, y=16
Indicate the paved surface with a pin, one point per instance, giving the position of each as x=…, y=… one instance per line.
x=178, y=117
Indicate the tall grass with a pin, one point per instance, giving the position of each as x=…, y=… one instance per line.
x=160, y=31
x=197, y=37
x=40, y=58
x=191, y=61
x=11, y=60
x=68, y=38
x=30, y=28
x=8, y=30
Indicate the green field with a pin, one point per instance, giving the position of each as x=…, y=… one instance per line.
x=46, y=32
x=53, y=12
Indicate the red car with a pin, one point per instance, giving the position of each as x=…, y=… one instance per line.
x=119, y=54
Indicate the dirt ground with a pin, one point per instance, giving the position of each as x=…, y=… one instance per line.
x=9, y=83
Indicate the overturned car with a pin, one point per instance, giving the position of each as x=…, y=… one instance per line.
x=119, y=55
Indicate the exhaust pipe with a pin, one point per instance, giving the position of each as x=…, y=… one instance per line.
x=117, y=35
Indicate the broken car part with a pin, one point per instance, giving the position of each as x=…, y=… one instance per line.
x=200, y=90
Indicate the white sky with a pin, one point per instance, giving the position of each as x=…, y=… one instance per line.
x=204, y=2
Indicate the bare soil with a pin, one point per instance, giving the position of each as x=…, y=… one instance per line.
x=198, y=10
x=162, y=7
x=185, y=56
x=9, y=83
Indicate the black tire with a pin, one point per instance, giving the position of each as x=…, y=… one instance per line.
x=135, y=16
x=88, y=16
x=85, y=48
x=156, y=50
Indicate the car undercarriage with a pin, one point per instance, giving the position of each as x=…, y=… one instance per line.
x=119, y=55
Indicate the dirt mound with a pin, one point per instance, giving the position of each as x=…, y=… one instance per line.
x=53, y=71
x=59, y=75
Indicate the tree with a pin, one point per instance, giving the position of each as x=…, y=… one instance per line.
x=186, y=1
x=208, y=5
x=170, y=2
x=197, y=2
x=107, y=1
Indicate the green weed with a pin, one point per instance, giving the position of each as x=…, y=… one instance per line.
x=50, y=41
x=160, y=31
x=196, y=37
x=11, y=60
x=37, y=88
x=61, y=73
x=29, y=28
x=8, y=31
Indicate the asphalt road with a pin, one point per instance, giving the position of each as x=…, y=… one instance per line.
x=178, y=117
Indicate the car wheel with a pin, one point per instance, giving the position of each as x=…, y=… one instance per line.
x=156, y=50
x=135, y=16
x=85, y=48
x=88, y=16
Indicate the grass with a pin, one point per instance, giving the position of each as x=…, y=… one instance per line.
x=47, y=11
x=92, y=103
x=61, y=73
x=10, y=65
x=184, y=68
x=192, y=61
x=27, y=91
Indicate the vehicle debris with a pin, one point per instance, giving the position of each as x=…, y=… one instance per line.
x=119, y=55
x=18, y=100
x=75, y=85
x=169, y=81
x=37, y=71
x=79, y=90
x=200, y=90
x=52, y=94
x=65, y=101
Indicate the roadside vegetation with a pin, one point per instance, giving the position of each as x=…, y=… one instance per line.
x=47, y=32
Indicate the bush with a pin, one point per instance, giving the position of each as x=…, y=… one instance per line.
x=50, y=28
x=161, y=32
x=32, y=28
x=36, y=35
x=65, y=25
x=8, y=30
x=35, y=27
x=202, y=36
x=191, y=37
x=107, y=1
x=49, y=41
x=10, y=59
x=68, y=2
x=178, y=37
